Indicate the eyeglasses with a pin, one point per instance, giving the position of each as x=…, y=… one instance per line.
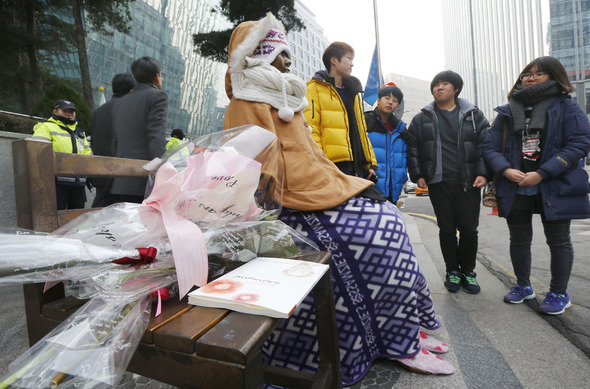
x=535, y=76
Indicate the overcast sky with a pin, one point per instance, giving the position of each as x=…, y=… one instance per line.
x=410, y=33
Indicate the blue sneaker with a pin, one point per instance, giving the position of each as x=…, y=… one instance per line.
x=555, y=304
x=518, y=294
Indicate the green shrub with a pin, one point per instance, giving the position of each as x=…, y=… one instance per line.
x=11, y=123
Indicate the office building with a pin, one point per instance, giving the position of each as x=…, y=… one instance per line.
x=195, y=85
x=488, y=42
x=569, y=34
x=163, y=30
x=307, y=45
x=416, y=93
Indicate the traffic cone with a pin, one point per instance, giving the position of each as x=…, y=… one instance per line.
x=494, y=212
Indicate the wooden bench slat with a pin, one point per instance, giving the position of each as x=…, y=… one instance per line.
x=180, y=334
x=171, y=309
x=194, y=371
x=235, y=337
x=67, y=216
x=98, y=166
x=61, y=309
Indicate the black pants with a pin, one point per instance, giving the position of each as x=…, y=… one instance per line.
x=456, y=209
x=70, y=196
x=557, y=234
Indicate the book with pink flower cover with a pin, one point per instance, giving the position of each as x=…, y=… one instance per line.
x=264, y=286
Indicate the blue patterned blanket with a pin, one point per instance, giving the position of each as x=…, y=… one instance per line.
x=381, y=297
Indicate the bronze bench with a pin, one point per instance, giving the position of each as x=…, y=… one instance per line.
x=186, y=346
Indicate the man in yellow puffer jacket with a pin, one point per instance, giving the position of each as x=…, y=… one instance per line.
x=335, y=114
x=62, y=131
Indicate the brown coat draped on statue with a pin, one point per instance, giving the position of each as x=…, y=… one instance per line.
x=257, y=91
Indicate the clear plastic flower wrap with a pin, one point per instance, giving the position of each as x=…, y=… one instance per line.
x=94, y=345
x=125, y=282
x=29, y=257
x=97, y=342
x=233, y=244
x=224, y=177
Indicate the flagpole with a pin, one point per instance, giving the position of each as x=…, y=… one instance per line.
x=380, y=75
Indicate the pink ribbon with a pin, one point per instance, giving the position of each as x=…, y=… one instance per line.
x=186, y=238
x=163, y=294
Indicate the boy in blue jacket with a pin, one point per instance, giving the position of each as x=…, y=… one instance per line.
x=386, y=131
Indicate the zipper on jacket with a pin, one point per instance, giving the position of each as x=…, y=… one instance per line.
x=459, y=148
x=436, y=148
x=548, y=206
x=346, y=121
x=369, y=146
x=460, y=153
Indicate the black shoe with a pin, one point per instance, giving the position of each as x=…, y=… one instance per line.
x=469, y=283
x=453, y=281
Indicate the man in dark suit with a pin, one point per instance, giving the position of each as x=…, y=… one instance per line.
x=101, y=128
x=139, y=122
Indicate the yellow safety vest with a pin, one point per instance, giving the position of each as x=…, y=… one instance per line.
x=63, y=138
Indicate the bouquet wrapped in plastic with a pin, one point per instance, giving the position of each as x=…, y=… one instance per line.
x=216, y=198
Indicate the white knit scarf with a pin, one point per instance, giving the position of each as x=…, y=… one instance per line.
x=263, y=83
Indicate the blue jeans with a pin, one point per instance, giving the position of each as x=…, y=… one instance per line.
x=557, y=234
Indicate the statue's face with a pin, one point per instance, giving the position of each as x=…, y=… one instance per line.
x=282, y=62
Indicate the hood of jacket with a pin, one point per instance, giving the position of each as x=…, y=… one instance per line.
x=465, y=106
x=253, y=79
x=351, y=84
x=374, y=123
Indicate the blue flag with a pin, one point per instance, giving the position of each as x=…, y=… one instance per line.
x=373, y=82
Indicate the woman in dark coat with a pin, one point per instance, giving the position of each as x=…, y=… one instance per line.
x=534, y=147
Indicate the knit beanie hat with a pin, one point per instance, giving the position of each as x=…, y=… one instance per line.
x=449, y=76
x=268, y=49
x=272, y=45
x=391, y=89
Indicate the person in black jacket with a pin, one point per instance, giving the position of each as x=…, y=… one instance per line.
x=139, y=122
x=101, y=128
x=445, y=156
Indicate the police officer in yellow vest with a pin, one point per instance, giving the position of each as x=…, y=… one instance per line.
x=62, y=131
x=176, y=137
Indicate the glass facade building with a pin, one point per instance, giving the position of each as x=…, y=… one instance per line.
x=488, y=42
x=161, y=29
x=570, y=43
